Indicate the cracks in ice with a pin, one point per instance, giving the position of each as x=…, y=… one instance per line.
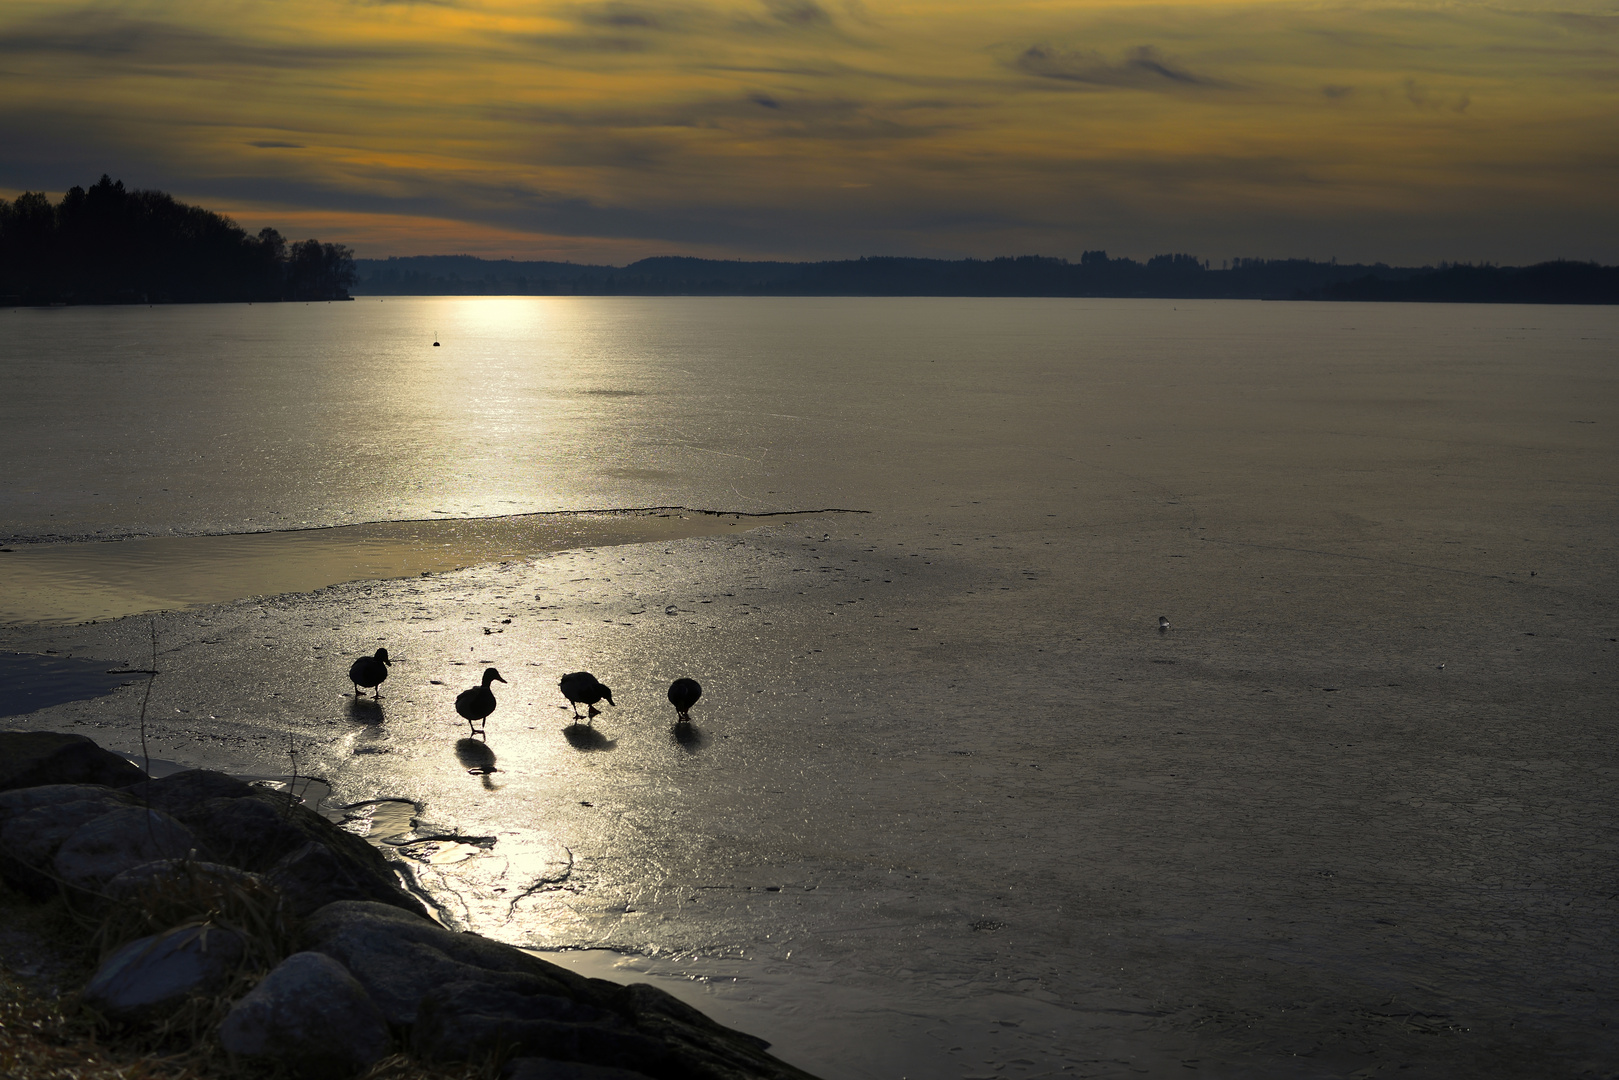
x=540, y=885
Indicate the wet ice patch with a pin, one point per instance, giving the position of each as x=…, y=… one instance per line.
x=57, y=584
x=32, y=681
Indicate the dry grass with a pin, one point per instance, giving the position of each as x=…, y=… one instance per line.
x=250, y=908
x=39, y=1042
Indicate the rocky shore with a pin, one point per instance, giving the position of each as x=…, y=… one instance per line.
x=300, y=944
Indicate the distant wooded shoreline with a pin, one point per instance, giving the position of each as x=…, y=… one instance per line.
x=1094, y=275
x=109, y=245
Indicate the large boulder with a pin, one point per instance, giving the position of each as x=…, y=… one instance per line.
x=530, y=1068
x=309, y=1019
x=316, y=875
x=400, y=957
x=170, y=892
x=702, y=1045
x=465, y=997
x=35, y=822
x=180, y=792
x=35, y=758
x=106, y=846
x=139, y=883
x=464, y=1019
x=151, y=976
x=313, y=861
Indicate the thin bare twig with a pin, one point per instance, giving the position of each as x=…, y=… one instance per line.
x=146, y=754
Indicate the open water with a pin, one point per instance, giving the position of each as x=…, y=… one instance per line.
x=952, y=806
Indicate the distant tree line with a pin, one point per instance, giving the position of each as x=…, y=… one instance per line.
x=109, y=245
x=1544, y=283
x=1095, y=274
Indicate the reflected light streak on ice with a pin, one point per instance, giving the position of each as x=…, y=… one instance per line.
x=496, y=386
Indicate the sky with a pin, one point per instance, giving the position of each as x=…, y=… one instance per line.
x=610, y=130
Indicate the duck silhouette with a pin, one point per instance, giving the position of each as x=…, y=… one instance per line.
x=369, y=671
x=683, y=694
x=476, y=704
x=581, y=687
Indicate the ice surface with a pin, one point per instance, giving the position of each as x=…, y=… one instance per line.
x=948, y=784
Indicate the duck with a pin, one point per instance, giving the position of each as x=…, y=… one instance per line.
x=683, y=694
x=369, y=671
x=582, y=687
x=1163, y=624
x=477, y=703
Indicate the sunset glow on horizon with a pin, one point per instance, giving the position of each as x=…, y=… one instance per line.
x=609, y=131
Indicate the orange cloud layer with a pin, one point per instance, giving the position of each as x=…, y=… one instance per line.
x=605, y=129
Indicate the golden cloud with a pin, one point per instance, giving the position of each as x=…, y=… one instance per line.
x=807, y=128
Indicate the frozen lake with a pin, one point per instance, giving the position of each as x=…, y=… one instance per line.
x=953, y=805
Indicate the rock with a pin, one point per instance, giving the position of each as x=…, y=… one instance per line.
x=308, y=1018
x=315, y=875
x=106, y=846
x=177, y=875
x=36, y=758
x=246, y=831
x=399, y=958
x=152, y=975
x=528, y=1068
x=20, y=801
x=464, y=1019
x=699, y=1046
x=264, y=832
x=468, y=997
x=652, y=1007
x=179, y=792
x=34, y=823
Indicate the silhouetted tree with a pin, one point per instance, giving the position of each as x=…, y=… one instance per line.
x=317, y=271
x=108, y=244
x=27, y=233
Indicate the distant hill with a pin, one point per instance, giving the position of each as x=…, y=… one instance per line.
x=1030, y=275
x=1543, y=283
x=1095, y=274
x=111, y=245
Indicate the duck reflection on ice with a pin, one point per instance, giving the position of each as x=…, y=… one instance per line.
x=687, y=734
x=476, y=758
x=584, y=737
x=364, y=710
